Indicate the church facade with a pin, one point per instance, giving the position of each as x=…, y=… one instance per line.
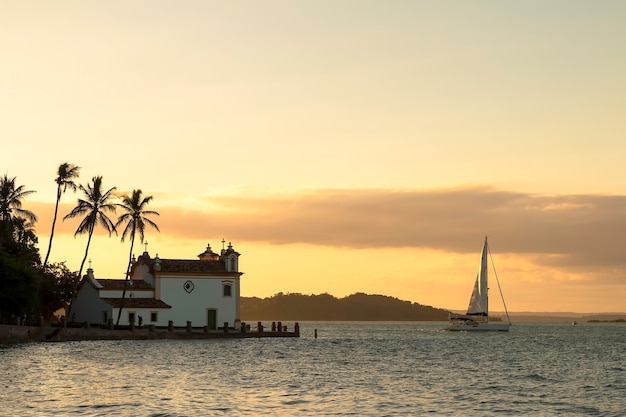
x=203, y=291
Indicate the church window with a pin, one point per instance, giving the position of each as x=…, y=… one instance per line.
x=227, y=290
x=131, y=317
x=154, y=316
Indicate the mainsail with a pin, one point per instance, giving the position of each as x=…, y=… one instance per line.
x=477, y=318
x=478, y=305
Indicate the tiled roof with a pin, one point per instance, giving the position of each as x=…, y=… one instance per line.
x=118, y=284
x=136, y=303
x=192, y=265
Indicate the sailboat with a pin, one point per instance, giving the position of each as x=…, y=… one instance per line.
x=477, y=316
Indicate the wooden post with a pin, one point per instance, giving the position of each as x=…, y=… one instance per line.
x=188, y=327
x=316, y=333
x=225, y=327
x=259, y=327
x=296, y=329
x=170, y=326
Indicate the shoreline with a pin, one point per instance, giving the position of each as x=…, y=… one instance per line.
x=11, y=335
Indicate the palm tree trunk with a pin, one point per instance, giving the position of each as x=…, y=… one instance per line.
x=54, y=220
x=80, y=271
x=130, y=258
x=45, y=262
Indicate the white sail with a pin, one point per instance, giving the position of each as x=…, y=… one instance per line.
x=478, y=305
x=477, y=318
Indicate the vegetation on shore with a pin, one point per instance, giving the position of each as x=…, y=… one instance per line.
x=325, y=307
x=30, y=288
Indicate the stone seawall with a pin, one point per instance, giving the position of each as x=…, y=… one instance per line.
x=27, y=334
x=22, y=334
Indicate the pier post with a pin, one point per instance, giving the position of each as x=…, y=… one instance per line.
x=280, y=327
x=259, y=327
x=170, y=326
x=225, y=327
x=296, y=329
x=243, y=327
x=273, y=326
x=188, y=327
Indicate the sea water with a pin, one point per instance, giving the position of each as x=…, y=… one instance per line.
x=355, y=368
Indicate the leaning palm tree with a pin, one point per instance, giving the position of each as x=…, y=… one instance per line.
x=94, y=207
x=11, y=197
x=65, y=179
x=136, y=221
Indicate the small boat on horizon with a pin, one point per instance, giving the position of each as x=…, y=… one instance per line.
x=477, y=316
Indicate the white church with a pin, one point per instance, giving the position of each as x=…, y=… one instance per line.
x=203, y=291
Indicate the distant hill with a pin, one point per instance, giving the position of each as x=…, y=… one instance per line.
x=325, y=307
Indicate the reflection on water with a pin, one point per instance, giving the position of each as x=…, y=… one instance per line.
x=351, y=368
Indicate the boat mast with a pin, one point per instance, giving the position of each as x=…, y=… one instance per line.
x=498, y=282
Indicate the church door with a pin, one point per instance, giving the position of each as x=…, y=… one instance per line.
x=212, y=319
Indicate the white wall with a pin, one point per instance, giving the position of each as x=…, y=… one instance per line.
x=192, y=306
x=88, y=306
x=143, y=312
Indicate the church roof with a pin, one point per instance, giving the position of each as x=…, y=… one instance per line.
x=190, y=265
x=136, y=303
x=118, y=284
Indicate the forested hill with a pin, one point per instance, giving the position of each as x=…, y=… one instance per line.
x=325, y=307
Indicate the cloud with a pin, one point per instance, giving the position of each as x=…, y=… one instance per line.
x=580, y=232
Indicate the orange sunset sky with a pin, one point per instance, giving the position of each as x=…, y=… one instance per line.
x=341, y=146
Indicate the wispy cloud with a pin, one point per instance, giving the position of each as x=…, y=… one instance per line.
x=569, y=231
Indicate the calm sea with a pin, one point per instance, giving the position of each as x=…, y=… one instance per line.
x=360, y=369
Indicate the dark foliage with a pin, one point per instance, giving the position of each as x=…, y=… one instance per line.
x=27, y=289
x=325, y=307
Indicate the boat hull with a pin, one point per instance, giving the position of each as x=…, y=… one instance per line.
x=479, y=327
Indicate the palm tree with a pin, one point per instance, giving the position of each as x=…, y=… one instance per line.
x=11, y=206
x=65, y=179
x=136, y=221
x=94, y=207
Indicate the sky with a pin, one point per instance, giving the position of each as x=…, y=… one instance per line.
x=341, y=146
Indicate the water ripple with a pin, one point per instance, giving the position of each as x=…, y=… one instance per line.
x=364, y=369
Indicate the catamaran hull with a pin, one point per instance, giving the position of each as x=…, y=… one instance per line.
x=479, y=327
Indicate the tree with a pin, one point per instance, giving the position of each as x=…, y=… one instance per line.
x=18, y=249
x=136, y=221
x=94, y=208
x=65, y=179
x=56, y=288
x=11, y=207
x=24, y=244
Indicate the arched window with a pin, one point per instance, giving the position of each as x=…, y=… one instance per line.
x=227, y=290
